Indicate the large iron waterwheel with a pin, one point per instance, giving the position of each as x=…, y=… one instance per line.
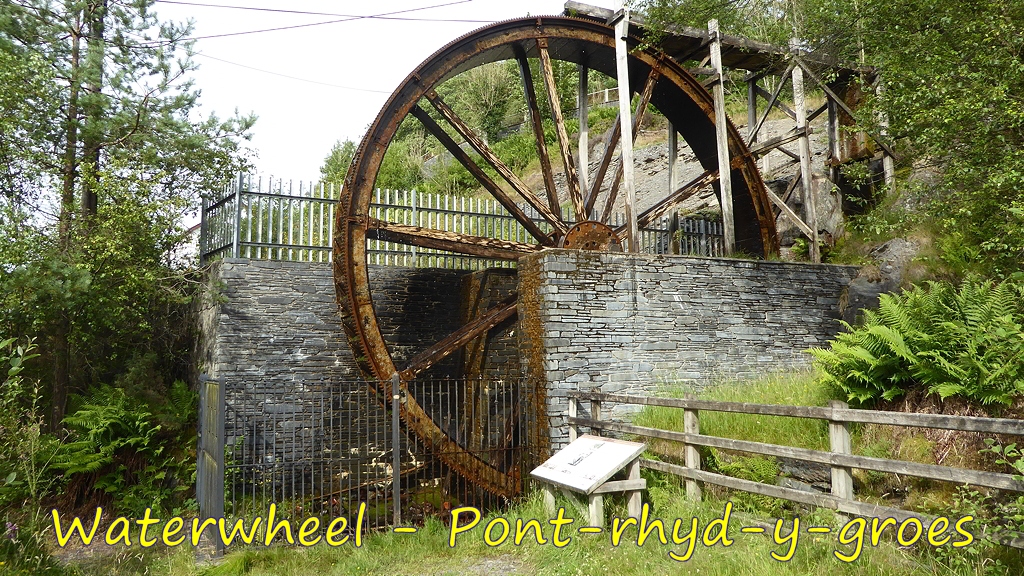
x=659, y=82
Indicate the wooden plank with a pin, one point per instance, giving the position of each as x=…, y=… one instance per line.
x=595, y=509
x=788, y=212
x=806, y=176
x=930, y=471
x=680, y=195
x=777, y=103
x=573, y=431
x=751, y=110
x=538, y=126
x=691, y=457
x=459, y=154
x=673, y=158
x=568, y=164
x=821, y=500
x=777, y=141
x=492, y=159
x=611, y=140
x=621, y=485
x=722, y=136
x=1008, y=426
x=634, y=496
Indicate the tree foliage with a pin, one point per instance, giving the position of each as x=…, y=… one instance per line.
x=953, y=78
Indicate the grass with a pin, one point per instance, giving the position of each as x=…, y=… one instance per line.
x=799, y=389
x=428, y=552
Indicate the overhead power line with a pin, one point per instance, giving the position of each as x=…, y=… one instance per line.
x=308, y=13
x=292, y=77
x=295, y=26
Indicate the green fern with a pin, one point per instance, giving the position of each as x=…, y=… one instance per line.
x=964, y=341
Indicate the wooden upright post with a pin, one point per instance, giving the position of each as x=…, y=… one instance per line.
x=722, y=132
x=626, y=126
x=751, y=110
x=691, y=425
x=584, y=141
x=888, y=166
x=840, y=443
x=806, y=178
x=673, y=157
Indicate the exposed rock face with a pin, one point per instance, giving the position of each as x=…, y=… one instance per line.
x=887, y=274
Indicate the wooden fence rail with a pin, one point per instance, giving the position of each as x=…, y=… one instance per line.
x=839, y=457
x=273, y=219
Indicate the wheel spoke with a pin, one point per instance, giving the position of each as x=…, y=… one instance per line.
x=571, y=178
x=538, y=127
x=665, y=204
x=641, y=111
x=450, y=241
x=491, y=158
x=456, y=151
x=455, y=340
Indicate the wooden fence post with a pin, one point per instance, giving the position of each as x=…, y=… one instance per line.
x=595, y=414
x=691, y=425
x=840, y=443
x=573, y=410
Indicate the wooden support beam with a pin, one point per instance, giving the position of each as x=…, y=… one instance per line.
x=777, y=103
x=641, y=112
x=810, y=202
x=572, y=181
x=625, y=119
x=839, y=101
x=722, y=133
x=774, y=98
x=773, y=143
x=788, y=212
x=582, y=111
x=751, y=110
x=673, y=156
x=888, y=165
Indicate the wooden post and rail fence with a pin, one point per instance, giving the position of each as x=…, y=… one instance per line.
x=840, y=457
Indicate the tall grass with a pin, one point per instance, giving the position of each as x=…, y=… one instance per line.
x=797, y=389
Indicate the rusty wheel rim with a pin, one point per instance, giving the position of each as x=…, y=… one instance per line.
x=659, y=82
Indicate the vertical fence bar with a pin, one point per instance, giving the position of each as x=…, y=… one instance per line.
x=235, y=246
x=396, y=453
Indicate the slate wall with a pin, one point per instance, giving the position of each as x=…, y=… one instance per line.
x=625, y=323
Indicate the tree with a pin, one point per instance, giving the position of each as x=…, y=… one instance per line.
x=336, y=163
x=113, y=158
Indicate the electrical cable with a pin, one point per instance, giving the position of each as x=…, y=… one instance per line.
x=283, y=11
x=295, y=26
x=292, y=77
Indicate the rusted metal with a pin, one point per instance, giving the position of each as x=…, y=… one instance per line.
x=451, y=241
x=460, y=337
x=680, y=97
x=536, y=122
x=491, y=158
x=591, y=235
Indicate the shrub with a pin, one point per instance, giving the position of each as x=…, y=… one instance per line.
x=964, y=341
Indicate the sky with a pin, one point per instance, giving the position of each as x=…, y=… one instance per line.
x=315, y=85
